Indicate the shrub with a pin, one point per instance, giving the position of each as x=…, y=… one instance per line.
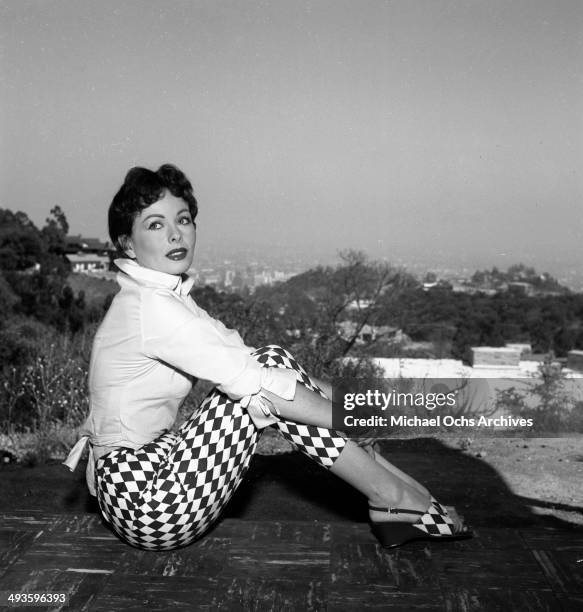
x=21, y=339
x=43, y=401
x=549, y=403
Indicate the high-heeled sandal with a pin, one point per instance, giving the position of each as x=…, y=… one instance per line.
x=435, y=524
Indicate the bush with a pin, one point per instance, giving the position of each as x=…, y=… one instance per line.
x=34, y=447
x=549, y=403
x=44, y=400
x=21, y=339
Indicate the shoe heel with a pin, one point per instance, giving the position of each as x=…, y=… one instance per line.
x=393, y=534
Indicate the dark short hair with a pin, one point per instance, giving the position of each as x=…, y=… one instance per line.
x=140, y=189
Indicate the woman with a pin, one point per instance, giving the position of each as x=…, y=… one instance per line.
x=160, y=490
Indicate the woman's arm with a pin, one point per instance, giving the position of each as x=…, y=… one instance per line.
x=194, y=344
x=325, y=386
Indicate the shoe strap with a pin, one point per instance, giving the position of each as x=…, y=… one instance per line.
x=396, y=510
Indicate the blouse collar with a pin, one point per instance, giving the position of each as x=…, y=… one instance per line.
x=155, y=278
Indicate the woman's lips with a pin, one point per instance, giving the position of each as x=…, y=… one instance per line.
x=177, y=254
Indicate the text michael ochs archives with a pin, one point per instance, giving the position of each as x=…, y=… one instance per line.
x=374, y=409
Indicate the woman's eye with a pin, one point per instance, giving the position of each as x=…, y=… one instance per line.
x=186, y=220
x=154, y=225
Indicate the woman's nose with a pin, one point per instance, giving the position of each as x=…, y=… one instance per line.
x=175, y=234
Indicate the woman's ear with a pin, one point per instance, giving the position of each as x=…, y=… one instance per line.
x=127, y=246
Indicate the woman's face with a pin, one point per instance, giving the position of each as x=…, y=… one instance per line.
x=163, y=236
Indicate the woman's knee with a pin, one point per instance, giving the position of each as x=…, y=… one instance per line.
x=273, y=349
x=275, y=356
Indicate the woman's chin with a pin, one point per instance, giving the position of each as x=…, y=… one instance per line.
x=171, y=267
x=179, y=267
x=167, y=265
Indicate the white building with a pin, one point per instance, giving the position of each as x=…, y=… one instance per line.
x=88, y=263
x=489, y=379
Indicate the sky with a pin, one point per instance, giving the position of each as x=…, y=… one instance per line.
x=440, y=129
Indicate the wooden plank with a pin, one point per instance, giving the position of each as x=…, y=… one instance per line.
x=74, y=552
x=265, y=594
x=87, y=524
x=23, y=520
x=301, y=532
x=207, y=558
x=499, y=599
x=571, y=603
x=260, y=566
x=277, y=558
x=290, y=565
x=27, y=580
x=278, y=550
x=553, y=539
x=488, y=538
x=490, y=568
x=343, y=598
x=233, y=557
x=13, y=544
x=156, y=594
x=563, y=569
x=357, y=559
x=80, y=588
x=369, y=564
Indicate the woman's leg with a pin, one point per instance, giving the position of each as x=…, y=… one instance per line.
x=212, y=456
x=306, y=422
x=376, y=456
x=354, y=465
x=169, y=492
x=384, y=485
x=123, y=478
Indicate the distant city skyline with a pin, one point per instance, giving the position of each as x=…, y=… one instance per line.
x=444, y=131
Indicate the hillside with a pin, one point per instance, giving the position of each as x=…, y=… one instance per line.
x=96, y=289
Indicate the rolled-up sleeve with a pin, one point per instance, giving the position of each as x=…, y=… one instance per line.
x=279, y=381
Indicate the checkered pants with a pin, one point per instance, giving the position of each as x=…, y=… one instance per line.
x=169, y=492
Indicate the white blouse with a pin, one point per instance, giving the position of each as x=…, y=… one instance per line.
x=152, y=342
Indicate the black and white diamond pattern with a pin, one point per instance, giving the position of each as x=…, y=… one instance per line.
x=273, y=356
x=169, y=492
x=322, y=445
x=436, y=521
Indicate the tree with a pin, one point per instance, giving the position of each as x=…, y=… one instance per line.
x=33, y=263
x=21, y=246
x=8, y=299
x=54, y=235
x=359, y=290
x=312, y=305
x=55, y=230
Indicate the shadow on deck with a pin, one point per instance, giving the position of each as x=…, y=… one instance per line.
x=260, y=557
x=289, y=565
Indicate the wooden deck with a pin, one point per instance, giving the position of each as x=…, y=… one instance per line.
x=251, y=565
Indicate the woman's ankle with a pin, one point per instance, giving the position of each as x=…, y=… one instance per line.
x=407, y=498
x=377, y=516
